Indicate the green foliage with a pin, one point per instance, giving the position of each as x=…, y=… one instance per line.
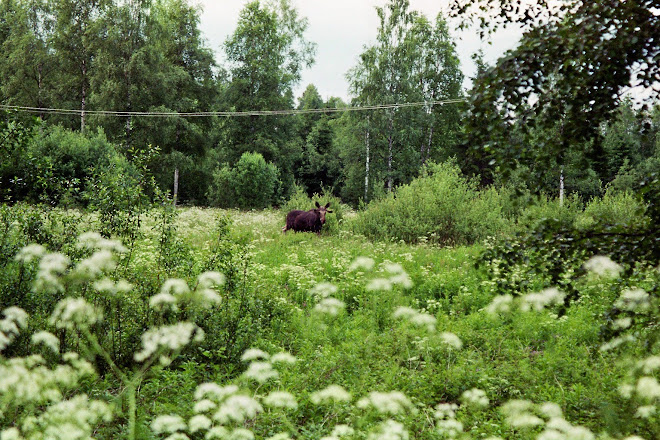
x=441, y=206
x=252, y=183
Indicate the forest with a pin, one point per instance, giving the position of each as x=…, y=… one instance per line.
x=489, y=265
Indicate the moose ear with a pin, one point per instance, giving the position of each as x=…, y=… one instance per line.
x=327, y=205
x=327, y=210
x=317, y=205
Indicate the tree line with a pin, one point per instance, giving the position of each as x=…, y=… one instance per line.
x=150, y=56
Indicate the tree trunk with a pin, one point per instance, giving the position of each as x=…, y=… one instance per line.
x=390, y=141
x=561, y=187
x=83, y=93
x=366, y=168
x=176, y=185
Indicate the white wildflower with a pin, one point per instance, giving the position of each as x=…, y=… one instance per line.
x=649, y=365
x=94, y=240
x=199, y=423
x=404, y=312
x=394, y=402
x=445, y=411
x=451, y=340
x=450, y=428
x=648, y=388
x=634, y=300
x=11, y=434
x=98, y=263
x=168, y=424
x=29, y=253
x=214, y=391
x=331, y=394
x=204, y=405
x=217, y=432
x=622, y=323
x=106, y=285
x=402, y=279
x=323, y=290
x=47, y=339
x=518, y=414
x=51, y=267
x=74, y=313
x=626, y=390
x=389, y=430
x=500, y=304
x=241, y=434
x=211, y=279
x=283, y=358
x=342, y=431
x=475, y=397
x=281, y=399
x=252, y=354
x=646, y=411
x=237, y=408
x=616, y=342
x=579, y=433
x=379, y=284
x=330, y=306
x=538, y=301
x=175, y=286
x=168, y=338
x=551, y=410
x=551, y=434
x=16, y=315
x=163, y=301
x=524, y=420
x=261, y=372
x=424, y=320
x=633, y=437
x=362, y=263
x=603, y=266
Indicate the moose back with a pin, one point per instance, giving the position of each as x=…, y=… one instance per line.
x=307, y=221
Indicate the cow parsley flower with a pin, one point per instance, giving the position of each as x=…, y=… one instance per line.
x=204, y=405
x=281, y=399
x=280, y=436
x=283, y=358
x=392, y=403
x=30, y=252
x=94, y=240
x=241, y=434
x=167, y=424
x=475, y=397
x=238, y=409
x=500, y=304
x=451, y=340
x=644, y=412
x=74, y=313
x=450, y=428
x=214, y=391
x=649, y=365
x=261, y=372
x=634, y=300
x=379, y=284
x=48, y=339
x=175, y=286
x=168, y=338
x=330, y=306
x=648, y=388
x=389, y=430
x=538, y=301
x=217, y=432
x=323, y=290
x=252, y=354
x=519, y=414
x=362, y=263
x=445, y=411
x=99, y=262
x=199, y=423
x=603, y=266
x=330, y=394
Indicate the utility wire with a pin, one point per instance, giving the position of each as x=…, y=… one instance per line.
x=230, y=114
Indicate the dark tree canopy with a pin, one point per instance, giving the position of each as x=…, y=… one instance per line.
x=569, y=73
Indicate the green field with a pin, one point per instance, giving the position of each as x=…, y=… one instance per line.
x=405, y=330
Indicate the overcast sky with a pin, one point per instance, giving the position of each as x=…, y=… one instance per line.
x=341, y=29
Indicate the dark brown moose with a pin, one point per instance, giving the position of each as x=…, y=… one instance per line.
x=307, y=221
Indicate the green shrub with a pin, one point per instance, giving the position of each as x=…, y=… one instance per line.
x=440, y=206
x=252, y=183
x=621, y=207
x=545, y=207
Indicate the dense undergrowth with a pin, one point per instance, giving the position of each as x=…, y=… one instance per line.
x=356, y=338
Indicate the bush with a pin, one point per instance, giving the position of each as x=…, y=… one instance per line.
x=621, y=207
x=252, y=183
x=440, y=206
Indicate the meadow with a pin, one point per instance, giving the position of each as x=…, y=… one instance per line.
x=209, y=323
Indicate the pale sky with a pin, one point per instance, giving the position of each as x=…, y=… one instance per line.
x=341, y=29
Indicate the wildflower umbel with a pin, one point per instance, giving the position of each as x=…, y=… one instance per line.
x=603, y=266
x=392, y=403
x=331, y=394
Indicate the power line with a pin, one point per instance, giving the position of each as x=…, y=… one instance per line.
x=225, y=114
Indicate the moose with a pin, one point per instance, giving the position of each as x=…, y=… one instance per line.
x=311, y=221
